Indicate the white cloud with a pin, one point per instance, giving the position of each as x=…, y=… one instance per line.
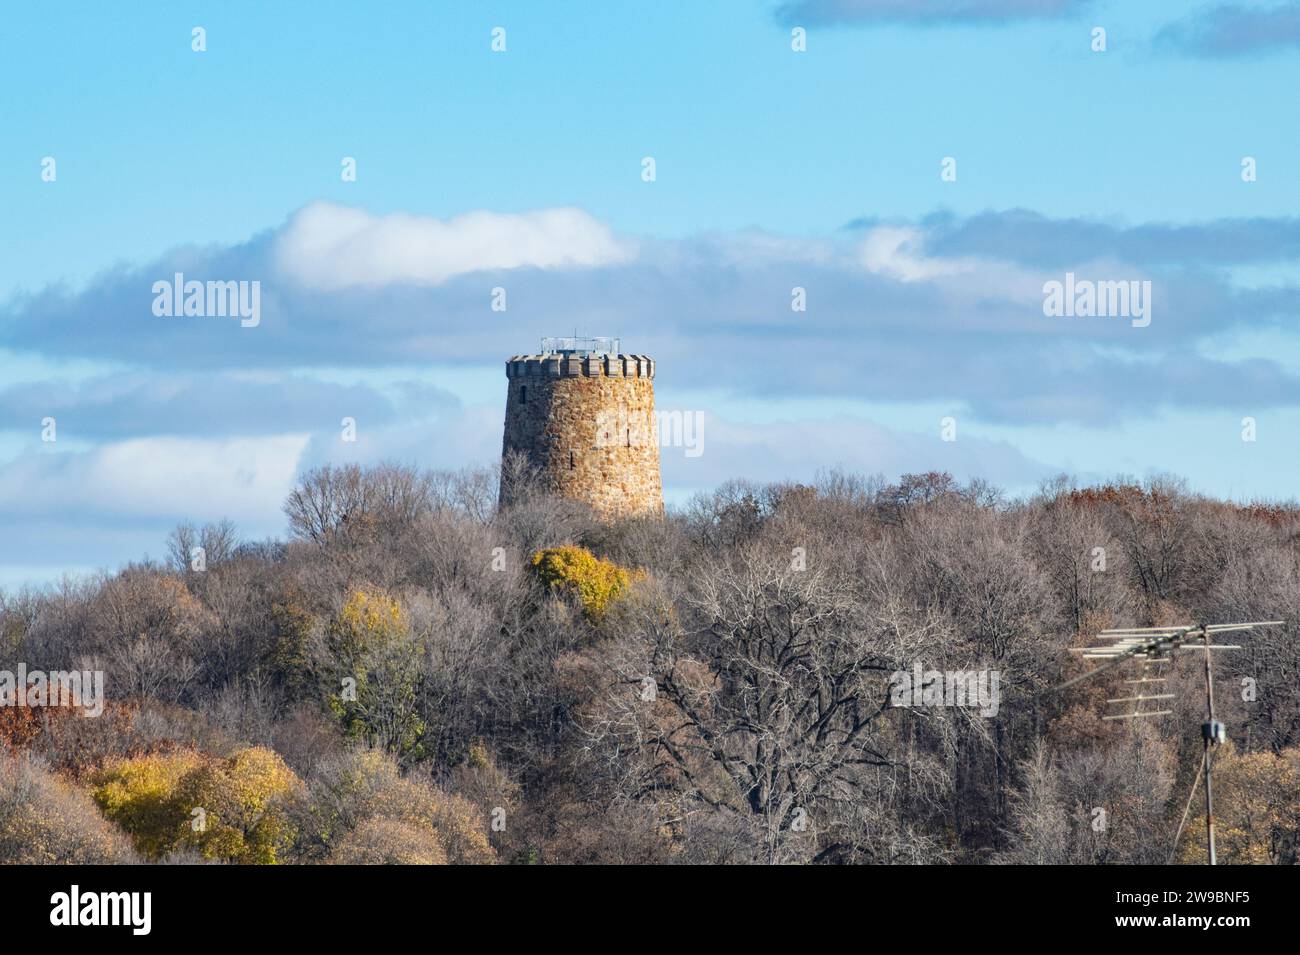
x=245, y=479
x=328, y=247
x=896, y=252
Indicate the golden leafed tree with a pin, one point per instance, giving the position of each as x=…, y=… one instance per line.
x=577, y=571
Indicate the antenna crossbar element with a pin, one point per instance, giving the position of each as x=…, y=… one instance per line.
x=1133, y=699
x=1213, y=627
x=1142, y=634
x=1129, y=716
x=1153, y=643
x=1156, y=679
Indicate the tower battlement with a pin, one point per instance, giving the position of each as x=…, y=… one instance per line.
x=582, y=414
x=567, y=365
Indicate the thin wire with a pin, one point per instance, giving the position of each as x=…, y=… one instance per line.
x=1188, y=808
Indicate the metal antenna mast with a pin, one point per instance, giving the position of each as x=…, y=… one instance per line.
x=1156, y=645
x=1212, y=734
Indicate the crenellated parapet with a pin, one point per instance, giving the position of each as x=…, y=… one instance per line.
x=564, y=365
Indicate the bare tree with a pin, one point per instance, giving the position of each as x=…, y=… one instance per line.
x=771, y=702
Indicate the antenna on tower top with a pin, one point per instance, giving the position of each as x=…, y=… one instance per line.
x=581, y=346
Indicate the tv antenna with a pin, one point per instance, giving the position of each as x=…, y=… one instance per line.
x=1155, y=647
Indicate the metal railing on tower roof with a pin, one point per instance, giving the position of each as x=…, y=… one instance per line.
x=580, y=346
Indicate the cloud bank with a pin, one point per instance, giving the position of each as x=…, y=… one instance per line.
x=941, y=309
x=1233, y=30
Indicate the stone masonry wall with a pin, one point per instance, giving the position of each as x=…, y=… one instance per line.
x=588, y=425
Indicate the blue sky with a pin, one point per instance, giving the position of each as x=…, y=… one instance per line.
x=522, y=169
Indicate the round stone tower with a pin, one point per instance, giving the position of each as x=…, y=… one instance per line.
x=583, y=415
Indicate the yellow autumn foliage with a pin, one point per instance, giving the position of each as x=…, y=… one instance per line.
x=243, y=801
x=230, y=809
x=368, y=620
x=139, y=795
x=574, y=570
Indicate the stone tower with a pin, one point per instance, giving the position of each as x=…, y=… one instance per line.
x=583, y=415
